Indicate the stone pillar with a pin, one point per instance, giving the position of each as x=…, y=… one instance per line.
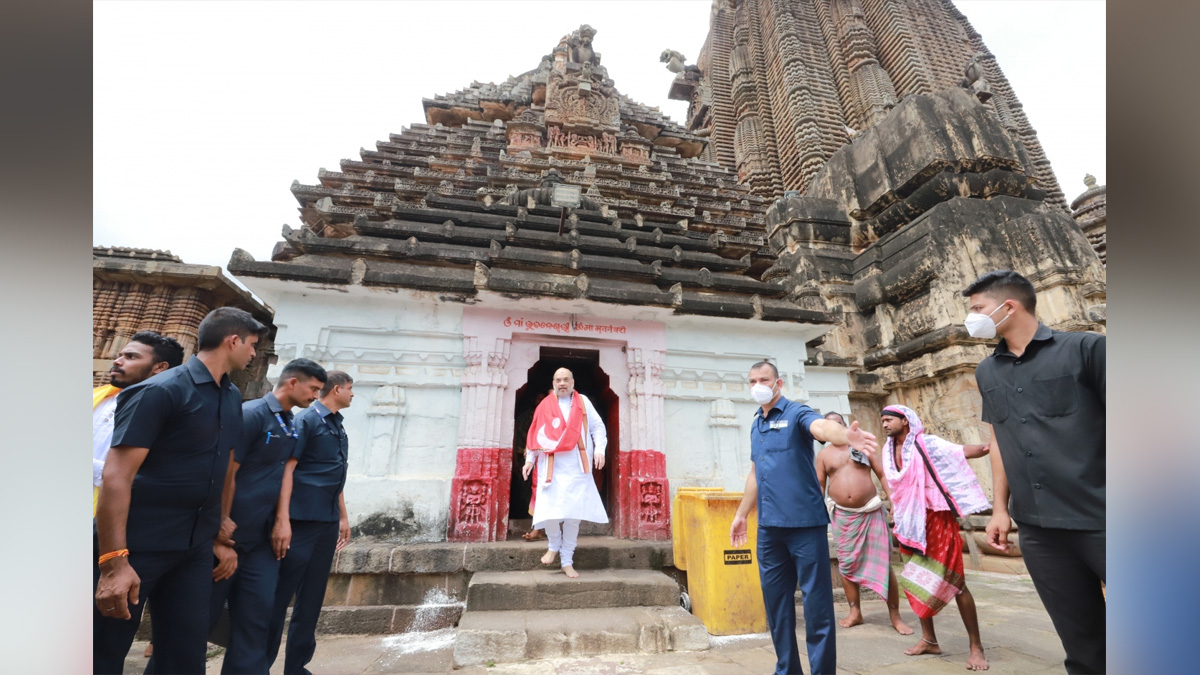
x=643, y=509
x=479, y=491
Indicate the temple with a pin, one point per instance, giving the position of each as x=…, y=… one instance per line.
x=845, y=170
x=143, y=289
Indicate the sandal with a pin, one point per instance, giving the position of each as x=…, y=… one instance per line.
x=534, y=535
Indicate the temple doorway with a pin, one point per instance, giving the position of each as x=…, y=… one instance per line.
x=592, y=382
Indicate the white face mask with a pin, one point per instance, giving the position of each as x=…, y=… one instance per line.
x=981, y=325
x=762, y=394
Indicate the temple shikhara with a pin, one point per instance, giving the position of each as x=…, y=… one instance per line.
x=846, y=168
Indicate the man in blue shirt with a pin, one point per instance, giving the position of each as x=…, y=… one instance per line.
x=310, y=522
x=252, y=485
x=792, y=520
x=159, y=508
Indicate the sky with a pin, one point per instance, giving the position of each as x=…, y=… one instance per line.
x=205, y=112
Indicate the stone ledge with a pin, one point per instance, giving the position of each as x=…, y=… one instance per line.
x=548, y=589
x=370, y=557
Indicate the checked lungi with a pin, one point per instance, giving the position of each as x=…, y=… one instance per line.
x=863, y=549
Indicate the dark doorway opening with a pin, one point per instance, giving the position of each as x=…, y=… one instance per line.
x=592, y=382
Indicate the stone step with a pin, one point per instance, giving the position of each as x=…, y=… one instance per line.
x=547, y=589
x=485, y=638
x=593, y=552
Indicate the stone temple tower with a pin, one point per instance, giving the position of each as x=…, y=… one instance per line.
x=901, y=166
x=782, y=84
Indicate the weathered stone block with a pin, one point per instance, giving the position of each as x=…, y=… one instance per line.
x=490, y=636
x=355, y=620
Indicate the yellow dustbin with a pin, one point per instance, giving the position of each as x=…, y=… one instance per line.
x=723, y=582
x=680, y=504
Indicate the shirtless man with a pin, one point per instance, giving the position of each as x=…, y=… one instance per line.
x=860, y=527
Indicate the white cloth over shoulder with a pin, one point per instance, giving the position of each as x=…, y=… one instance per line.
x=572, y=493
x=102, y=433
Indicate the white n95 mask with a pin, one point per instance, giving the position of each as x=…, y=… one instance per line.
x=762, y=394
x=981, y=325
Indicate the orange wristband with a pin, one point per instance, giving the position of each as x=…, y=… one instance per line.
x=122, y=553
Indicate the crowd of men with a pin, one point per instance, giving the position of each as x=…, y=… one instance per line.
x=1044, y=410
x=213, y=512
x=203, y=501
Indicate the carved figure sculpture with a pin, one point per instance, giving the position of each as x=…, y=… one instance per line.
x=974, y=79
x=676, y=62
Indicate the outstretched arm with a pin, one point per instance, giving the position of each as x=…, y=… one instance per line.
x=832, y=432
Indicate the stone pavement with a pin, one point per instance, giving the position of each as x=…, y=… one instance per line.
x=1017, y=636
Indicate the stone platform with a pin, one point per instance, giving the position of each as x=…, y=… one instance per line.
x=378, y=588
x=1018, y=639
x=516, y=616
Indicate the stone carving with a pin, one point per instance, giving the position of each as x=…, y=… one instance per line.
x=580, y=44
x=974, y=80
x=651, y=503
x=676, y=62
x=542, y=194
x=472, y=502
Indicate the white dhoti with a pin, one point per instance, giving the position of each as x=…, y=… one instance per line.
x=571, y=494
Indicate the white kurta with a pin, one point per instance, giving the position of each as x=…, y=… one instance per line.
x=572, y=493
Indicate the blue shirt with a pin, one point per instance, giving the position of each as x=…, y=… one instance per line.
x=781, y=449
x=320, y=472
x=189, y=423
x=268, y=441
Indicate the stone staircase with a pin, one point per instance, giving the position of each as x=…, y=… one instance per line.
x=626, y=607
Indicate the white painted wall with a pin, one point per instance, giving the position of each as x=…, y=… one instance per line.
x=708, y=405
x=405, y=351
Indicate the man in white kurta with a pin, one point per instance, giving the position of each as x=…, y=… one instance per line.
x=570, y=496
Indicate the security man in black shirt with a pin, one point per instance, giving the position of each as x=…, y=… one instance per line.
x=159, y=507
x=311, y=523
x=252, y=484
x=1044, y=396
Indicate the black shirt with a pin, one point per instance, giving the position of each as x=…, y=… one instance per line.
x=189, y=423
x=268, y=441
x=320, y=472
x=1047, y=407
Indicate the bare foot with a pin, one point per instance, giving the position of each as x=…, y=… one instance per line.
x=570, y=572
x=149, y=650
x=898, y=623
x=533, y=535
x=923, y=647
x=977, y=661
x=854, y=619
x=549, y=557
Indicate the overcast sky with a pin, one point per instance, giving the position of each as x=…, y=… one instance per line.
x=205, y=112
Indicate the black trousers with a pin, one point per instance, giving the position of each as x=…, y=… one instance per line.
x=1067, y=567
x=251, y=597
x=180, y=585
x=303, y=574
